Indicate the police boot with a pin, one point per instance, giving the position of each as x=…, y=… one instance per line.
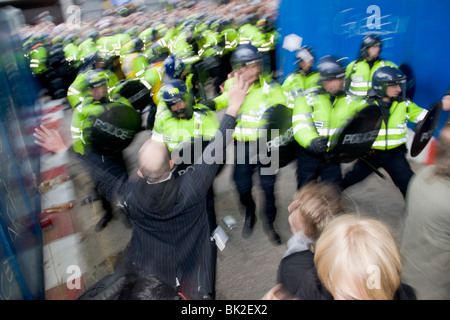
x=103, y=222
x=272, y=234
x=107, y=217
x=250, y=217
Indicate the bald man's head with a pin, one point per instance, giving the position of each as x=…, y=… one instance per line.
x=154, y=161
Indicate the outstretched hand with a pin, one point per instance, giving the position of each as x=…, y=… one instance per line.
x=278, y=293
x=49, y=139
x=238, y=91
x=446, y=102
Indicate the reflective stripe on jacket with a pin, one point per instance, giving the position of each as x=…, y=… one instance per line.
x=315, y=116
x=395, y=132
x=172, y=130
x=360, y=75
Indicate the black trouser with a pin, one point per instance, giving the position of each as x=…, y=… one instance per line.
x=393, y=161
x=118, y=160
x=242, y=176
x=313, y=166
x=106, y=205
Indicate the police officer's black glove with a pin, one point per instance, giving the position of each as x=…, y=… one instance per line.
x=208, y=103
x=318, y=145
x=417, y=126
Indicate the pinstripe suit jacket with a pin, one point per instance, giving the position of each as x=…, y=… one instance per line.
x=171, y=236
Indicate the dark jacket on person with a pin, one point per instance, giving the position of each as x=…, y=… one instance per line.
x=311, y=288
x=171, y=237
x=293, y=267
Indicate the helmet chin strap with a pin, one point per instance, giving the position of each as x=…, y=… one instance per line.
x=179, y=112
x=184, y=111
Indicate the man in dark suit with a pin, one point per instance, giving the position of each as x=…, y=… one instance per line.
x=171, y=237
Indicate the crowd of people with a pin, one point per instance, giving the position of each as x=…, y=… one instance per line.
x=175, y=69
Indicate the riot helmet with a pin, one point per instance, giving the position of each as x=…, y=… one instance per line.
x=371, y=40
x=305, y=56
x=305, y=53
x=175, y=91
x=330, y=68
x=136, y=45
x=388, y=76
x=96, y=81
x=243, y=55
x=147, y=36
x=70, y=38
x=157, y=52
x=93, y=34
x=173, y=66
x=96, y=78
x=91, y=61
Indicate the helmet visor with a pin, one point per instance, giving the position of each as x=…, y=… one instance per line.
x=240, y=64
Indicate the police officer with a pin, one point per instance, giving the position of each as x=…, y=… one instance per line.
x=157, y=52
x=38, y=54
x=268, y=46
x=172, y=67
x=38, y=57
x=305, y=78
x=316, y=117
x=147, y=36
x=359, y=72
x=82, y=121
x=178, y=119
x=72, y=55
x=247, y=62
x=79, y=88
x=133, y=62
x=88, y=44
x=97, y=82
x=389, y=149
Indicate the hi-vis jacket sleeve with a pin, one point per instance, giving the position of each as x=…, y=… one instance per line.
x=415, y=113
x=302, y=122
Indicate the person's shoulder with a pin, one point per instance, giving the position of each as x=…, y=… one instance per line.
x=88, y=102
x=408, y=102
x=308, y=99
x=290, y=77
x=299, y=258
x=351, y=64
x=203, y=109
x=405, y=292
x=389, y=63
x=311, y=287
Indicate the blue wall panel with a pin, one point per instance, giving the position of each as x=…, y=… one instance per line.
x=414, y=32
x=21, y=261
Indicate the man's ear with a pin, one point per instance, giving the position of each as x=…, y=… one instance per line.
x=171, y=164
x=139, y=173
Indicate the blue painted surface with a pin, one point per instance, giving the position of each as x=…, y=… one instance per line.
x=414, y=32
x=21, y=261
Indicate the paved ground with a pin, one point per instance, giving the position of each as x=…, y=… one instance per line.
x=246, y=269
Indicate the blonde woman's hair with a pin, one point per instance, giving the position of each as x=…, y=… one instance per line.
x=316, y=203
x=358, y=258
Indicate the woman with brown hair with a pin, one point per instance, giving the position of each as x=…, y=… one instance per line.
x=313, y=206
